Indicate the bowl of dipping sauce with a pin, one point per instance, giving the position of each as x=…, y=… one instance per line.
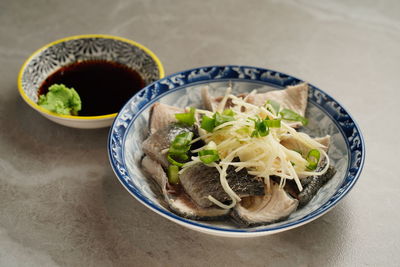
x=105, y=71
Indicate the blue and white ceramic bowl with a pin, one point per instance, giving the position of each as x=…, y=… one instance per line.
x=326, y=116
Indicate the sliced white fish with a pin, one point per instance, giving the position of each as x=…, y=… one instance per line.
x=274, y=206
x=294, y=144
x=177, y=200
x=325, y=141
x=293, y=97
x=209, y=102
x=155, y=171
x=161, y=115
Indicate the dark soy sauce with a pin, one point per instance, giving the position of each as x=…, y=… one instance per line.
x=103, y=86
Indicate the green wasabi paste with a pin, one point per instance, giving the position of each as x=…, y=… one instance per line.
x=61, y=99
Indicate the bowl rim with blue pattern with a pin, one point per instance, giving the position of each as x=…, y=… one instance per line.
x=22, y=86
x=355, y=145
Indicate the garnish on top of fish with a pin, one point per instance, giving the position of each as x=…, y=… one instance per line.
x=243, y=156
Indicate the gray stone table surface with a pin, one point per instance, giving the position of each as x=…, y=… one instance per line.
x=60, y=203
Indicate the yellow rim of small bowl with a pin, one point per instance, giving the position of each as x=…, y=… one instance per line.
x=105, y=36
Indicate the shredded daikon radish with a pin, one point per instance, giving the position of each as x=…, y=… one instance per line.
x=199, y=149
x=222, y=205
x=262, y=156
x=224, y=182
x=200, y=138
x=194, y=161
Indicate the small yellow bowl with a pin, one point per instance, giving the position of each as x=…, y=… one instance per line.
x=51, y=57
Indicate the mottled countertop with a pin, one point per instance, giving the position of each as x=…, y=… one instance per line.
x=60, y=203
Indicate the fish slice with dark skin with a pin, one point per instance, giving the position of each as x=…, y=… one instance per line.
x=154, y=145
x=312, y=184
x=201, y=181
x=177, y=200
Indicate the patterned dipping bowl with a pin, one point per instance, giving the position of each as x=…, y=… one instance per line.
x=51, y=57
x=326, y=116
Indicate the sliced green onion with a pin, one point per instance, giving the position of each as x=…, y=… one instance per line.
x=313, y=159
x=228, y=112
x=208, y=155
x=173, y=177
x=182, y=140
x=260, y=129
x=207, y=124
x=186, y=118
x=174, y=162
x=274, y=123
x=263, y=128
x=221, y=118
x=275, y=106
x=208, y=152
x=207, y=159
x=290, y=115
x=179, y=148
x=179, y=156
x=178, y=151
